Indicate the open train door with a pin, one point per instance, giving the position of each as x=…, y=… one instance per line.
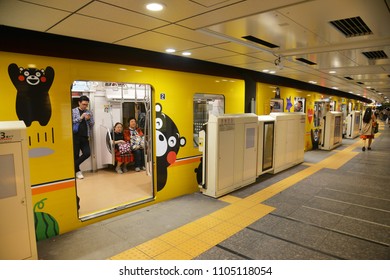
x=103, y=191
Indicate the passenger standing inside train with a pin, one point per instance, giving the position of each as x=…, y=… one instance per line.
x=367, y=131
x=136, y=138
x=82, y=129
x=122, y=151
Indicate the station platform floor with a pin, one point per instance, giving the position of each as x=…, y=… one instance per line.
x=335, y=205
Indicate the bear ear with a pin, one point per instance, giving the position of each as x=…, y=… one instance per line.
x=13, y=68
x=49, y=71
x=158, y=107
x=14, y=72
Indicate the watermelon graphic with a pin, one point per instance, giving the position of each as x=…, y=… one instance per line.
x=45, y=224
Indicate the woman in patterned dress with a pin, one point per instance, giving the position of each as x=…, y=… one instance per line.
x=122, y=158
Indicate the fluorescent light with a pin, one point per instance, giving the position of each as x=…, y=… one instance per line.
x=170, y=50
x=186, y=53
x=155, y=7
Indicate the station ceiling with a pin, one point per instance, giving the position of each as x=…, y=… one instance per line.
x=337, y=44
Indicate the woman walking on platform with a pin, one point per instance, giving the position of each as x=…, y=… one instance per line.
x=367, y=131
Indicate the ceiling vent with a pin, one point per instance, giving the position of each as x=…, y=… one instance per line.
x=348, y=78
x=301, y=59
x=375, y=55
x=360, y=83
x=352, y=27
x=259, y=41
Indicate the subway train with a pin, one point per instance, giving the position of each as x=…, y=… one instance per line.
x=170, y=103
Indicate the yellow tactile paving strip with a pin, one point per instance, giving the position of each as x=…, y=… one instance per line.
x=192, y=239
x=195, y=238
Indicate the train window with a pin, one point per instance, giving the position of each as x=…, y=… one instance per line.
x=103, y=190
x=204, y=105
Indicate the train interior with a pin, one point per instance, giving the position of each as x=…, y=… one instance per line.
x=105, y=191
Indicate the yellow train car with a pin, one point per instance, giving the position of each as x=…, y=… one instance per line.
x=312, y=103
x=42, y=91
x=170, y=97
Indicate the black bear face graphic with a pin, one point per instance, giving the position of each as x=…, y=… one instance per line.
x=32, y=100
x=168, y=143
x=32, y=76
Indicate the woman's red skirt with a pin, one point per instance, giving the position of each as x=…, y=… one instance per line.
x=371, y=136
x=126, y=158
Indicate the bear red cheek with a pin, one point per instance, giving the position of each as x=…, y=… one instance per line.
x=43, y=79
x=21, y=78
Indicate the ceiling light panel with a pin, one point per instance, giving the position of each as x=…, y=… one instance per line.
x=119, y=15
x=174, y=11
x=155, y=7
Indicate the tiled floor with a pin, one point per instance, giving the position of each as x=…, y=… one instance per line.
x=336, y=205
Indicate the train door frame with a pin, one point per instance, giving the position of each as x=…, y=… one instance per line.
x=149, y=137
